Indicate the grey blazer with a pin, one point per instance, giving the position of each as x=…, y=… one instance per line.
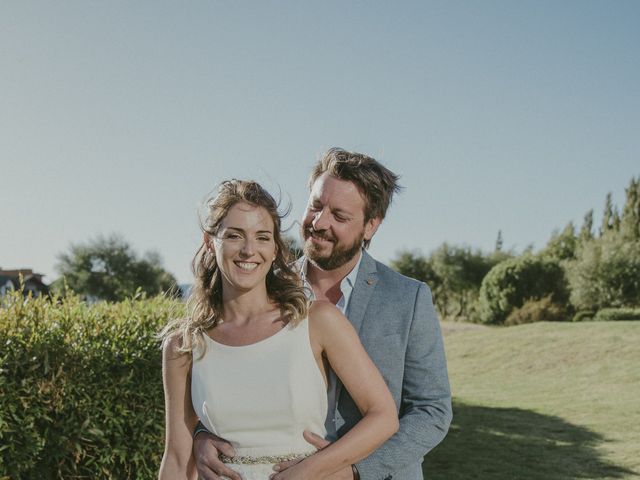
x=399, y=328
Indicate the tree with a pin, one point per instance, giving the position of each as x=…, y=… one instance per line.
x=606, y=273
x=107, y=268
x=606, y=270
x=416, y=266
x=610, y=217
x=461, y=270
x=607, y=215
x=630, y=220
x=586, y=230
x=499, y=242
x=562, y=246
x=454, y=274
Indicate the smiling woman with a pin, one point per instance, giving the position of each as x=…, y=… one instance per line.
x=241, y=232
x=244, y=247
x=251, y=330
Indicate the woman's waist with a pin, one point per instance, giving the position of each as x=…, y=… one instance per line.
x=270, y=455
x=294, y=449
x=256, y=439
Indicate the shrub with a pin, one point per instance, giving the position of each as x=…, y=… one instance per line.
x=583, y=316
x=610, y=314
x=542, y=310
x=510, y=283
x=81, y=389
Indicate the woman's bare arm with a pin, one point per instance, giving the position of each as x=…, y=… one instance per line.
x=180, y=419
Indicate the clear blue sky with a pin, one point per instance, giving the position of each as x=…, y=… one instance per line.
x=120, y=116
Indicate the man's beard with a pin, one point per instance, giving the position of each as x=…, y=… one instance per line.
x=338, y=256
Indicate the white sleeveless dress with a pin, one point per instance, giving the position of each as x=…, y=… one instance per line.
x=261, y=397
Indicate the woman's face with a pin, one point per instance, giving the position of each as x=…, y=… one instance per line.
x=244, y=247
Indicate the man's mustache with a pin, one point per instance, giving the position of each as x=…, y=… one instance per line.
x=321, y=234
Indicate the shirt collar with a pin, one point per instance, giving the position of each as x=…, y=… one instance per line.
x=350, y=279
x=347, y=282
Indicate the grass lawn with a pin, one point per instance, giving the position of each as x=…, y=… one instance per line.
x=542, y=401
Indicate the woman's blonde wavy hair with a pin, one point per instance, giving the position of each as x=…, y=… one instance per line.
x=284, y=286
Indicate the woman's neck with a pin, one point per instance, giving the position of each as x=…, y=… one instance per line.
x=241, y=307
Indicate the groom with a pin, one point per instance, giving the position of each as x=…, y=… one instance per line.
x=393, y=314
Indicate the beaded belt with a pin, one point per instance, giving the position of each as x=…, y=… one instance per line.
x=266, y=459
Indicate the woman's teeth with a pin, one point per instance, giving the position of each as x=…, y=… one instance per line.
x=246, y=265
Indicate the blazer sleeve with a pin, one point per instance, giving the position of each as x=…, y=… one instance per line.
x=425, y=406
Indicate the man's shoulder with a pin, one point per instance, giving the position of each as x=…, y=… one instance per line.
x=391, y=279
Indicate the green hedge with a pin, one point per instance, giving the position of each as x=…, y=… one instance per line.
x=609, y=314
x=81, y=388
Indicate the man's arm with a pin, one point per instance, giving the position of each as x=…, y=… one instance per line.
x=206, y=448
x=425, y=407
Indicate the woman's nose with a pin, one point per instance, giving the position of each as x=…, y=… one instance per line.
x=247, y=247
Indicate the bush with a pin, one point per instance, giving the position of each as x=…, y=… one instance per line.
x=512, y=282
x=583, y=316
x=542, y=310
x=81, y=388
x=611, y=314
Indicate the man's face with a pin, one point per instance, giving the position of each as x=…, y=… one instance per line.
x=333, y=226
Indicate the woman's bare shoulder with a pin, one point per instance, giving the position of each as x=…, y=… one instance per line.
x=325, y=311
x=172, y=345
x=326, y=317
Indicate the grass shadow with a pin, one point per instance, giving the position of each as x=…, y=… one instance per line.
x=510, y=443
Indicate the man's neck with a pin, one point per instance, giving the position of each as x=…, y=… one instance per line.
x=326, y=283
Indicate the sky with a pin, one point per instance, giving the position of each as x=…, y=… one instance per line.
x=120, y=117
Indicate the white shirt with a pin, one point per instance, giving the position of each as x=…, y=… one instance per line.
x=346, y=288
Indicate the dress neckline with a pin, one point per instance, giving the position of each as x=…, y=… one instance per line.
x=259, y=342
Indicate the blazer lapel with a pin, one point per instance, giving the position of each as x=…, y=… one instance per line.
x=363, y=289
x=360, y=296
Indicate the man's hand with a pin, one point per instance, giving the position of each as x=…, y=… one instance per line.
x=320, y=443
x=206, y=448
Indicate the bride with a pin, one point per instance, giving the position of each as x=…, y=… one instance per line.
x=250, y=361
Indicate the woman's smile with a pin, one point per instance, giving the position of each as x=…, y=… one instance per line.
x=247, y=266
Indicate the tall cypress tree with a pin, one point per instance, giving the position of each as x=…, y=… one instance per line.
x=586, y=230
x=630, y=221
x=615, y=220
x=499, y=242
x=607, y=216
